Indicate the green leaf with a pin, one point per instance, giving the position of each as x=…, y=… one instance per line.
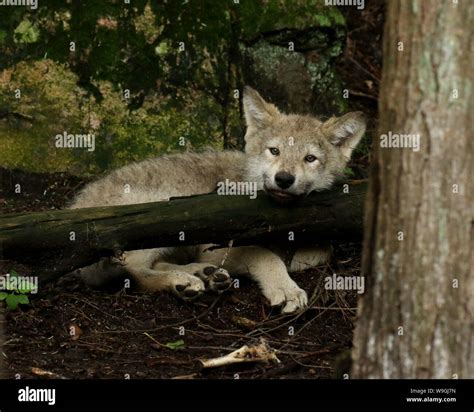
x=3, y=295
x=14, y=300
x=26, y=32
x=179, y=344
x=23, y=299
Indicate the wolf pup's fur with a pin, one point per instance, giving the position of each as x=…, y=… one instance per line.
x=288, y=155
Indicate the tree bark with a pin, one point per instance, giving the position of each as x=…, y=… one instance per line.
x=416, y=319
x=3, y=322
x=57, y=242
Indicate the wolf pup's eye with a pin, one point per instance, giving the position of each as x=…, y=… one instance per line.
x=274, y=151
x=310, y=158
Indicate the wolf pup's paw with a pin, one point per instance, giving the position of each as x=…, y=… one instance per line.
x=188, y=288
x=216, y=279
x=291, y=297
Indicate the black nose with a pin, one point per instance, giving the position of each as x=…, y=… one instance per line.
x=284, y=180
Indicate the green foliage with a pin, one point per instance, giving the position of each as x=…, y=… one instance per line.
x=3, y=36
x=50, y=91
x=176, y=93
x=179, y=344
x=259, y=16
x=26, y=32
x=15, y=297
x=349, y=173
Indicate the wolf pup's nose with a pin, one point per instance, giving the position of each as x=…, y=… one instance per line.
x=284, y=180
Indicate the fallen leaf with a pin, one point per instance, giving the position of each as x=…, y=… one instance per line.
x=179, y=344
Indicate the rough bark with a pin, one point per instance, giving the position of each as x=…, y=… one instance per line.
x=3, y=365
x=413, y=321
x=56, y=242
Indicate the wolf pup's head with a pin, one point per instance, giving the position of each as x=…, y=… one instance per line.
x=292, y=155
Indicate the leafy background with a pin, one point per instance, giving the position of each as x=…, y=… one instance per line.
x=287, y=49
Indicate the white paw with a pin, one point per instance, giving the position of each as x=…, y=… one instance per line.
x=187, y=287
x=216, y=279
x=290, y=295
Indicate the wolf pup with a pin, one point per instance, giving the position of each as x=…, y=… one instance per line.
x=287, y=155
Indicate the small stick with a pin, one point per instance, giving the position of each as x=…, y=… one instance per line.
x=181, y=377
x=46, y=374
x=231, y=243
x=255, y=353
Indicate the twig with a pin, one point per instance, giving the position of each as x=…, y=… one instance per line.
x=192, y=376
x=364, y=69
x=154, y=340
x=96, y=307
x=231, y=243
x=46, y=374
x=172, y=325
x=308, y=323
x=361, y=94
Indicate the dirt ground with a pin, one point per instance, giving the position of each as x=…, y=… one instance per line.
x=121, y=335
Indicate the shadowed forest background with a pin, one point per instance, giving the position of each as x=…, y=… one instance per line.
x=160, y=76
x=153, y=77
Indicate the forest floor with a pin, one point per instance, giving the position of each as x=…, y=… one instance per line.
x=125, y=334
x=120, y=335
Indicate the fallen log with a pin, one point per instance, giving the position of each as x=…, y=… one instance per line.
x=60, y=241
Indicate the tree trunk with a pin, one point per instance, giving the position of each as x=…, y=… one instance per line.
x=416, y=319
x=3, y=364
x=56, y=242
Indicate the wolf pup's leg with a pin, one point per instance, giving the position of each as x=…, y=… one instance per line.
x=265, y=267
x=142, y=265
x=181, y=284
x=309, y=257
x=215, y=279
x=102, y=273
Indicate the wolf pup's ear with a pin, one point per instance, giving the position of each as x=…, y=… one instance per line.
x=258, y=113
x=346, y=131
